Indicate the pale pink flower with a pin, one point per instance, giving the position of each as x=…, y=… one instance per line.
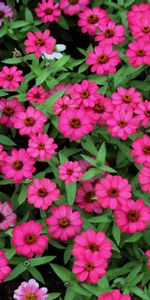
x=64, y=223
x=5, y=12
x=41, y=146
x=36, y=94
x=30, y=290
x=42, y=193
x=30, y=122
x=114, y=295
x=27, y=239
x=94, y=241
x=132, y=216
x=48, y=11
x=5, y=270
x=38, y=42
x=10, y=77
x=7, y=217
x=74, y=123
x=70, y=171
x=103, y=60
x=10, y=109
x=138, y=53
x=141, y=150
x=112, y=190
x=71, y=7
x=89, y=266
x=148, y=256
x=92, y=18
x=84, y=93
x=143, y=112
x=144, y=178
x=62, y=104
x=128, y=96
x=112, y=33
x=18, y=165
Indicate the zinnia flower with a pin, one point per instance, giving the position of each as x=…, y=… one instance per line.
x=27, y=239
x=4, y=269
x=85, y=93
x=3, y=154
x=70, y=171
x=138, y=53
x=62, y=104
x=10, y=109
x=114, y=295
x=5, y=12
x=141, y=150
x=64, y=223
x=30, y=290
x=144, y=178
x=10, y=78
x=130, y=97
x=48, y=11
x=7, y=217
x=111, y=33
x=71, y=7
x=143, y=112
x=36, y=94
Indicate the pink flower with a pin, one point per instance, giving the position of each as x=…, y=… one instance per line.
x=85, y=92
x=148, y=256
x=137, y=13
x=41, y=146
x=110, y=32
x=138, y=53
x=27, y=239
x=38, y=42
x=112, y=190
x=18, y=165
x=30, y=290
x=142, y=27
x=64, y=223
x=96, y=242
x=70, y=171
x=89, y=266
x=103, y=60
x=74, y=123
x=128, y=96
x=10, y=109
x=72, y=7
x=5, y=11
x=92, y=18
x=48, y=11
x=42, y=193
x=4, y=269
x=144, y=178
x=114, y=295
x=7, y=217
x=143, y=112
x=10, y=78
x=3, y=154
x=85, y=198
x=30, y=122
x=102, y=110
x=122, y=123
x=132, y=216
x=36, y=94
x=62, y=104
x=141, y=150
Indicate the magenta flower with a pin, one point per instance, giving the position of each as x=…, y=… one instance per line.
x=18, y=165
x=7, y=217
x=64, y=223
x=138, y=53
x=38, y=42
x=27, y=239
x=96, y=242
x=5, y=270
x=30, y=122
x=85, y=93
x=102, y=110
x=122, y=123
x=70, y=171
x=10, y=109
x=103, y=60
x=148, y=256
x=142, y=28
x=10, y=78
x=30, y=290
x=74, y=123
x=41, y=146
x=36, y=94
x=89, y=266
x=42, y=193
x=144, y=178
x=3, y=154
x=114, y=295
x=71, y=7
x=130, y=97
x=141, y=150
x=48, y=11
x=62, y=104
x=5, y=11
x=112, y=190
x=92, y=18
x=111, y=33
x=132, y=216
x=143, y=112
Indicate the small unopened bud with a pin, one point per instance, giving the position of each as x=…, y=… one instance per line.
x=16, y=53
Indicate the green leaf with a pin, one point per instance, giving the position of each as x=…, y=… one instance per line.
x=125, y=149
x=43, y=76
x=134, y=238
x=108, y=169
x=71, y=192
x=52, y=296
x=18, y=24
x=90, y=174
x=63, y=273
x=100, y=219
x=101, y=155
x=28, y=15
x=13, y=60
x=88, y=145
x=89, y=159
x=22, y=194
x=16, y=272
x=6, y=141
x=116, y=233
x=50, y=101
x=40, y=260
x=36, y=274
x=63, y=23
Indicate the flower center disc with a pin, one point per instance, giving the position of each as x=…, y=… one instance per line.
x=37, y=95
x=17, y=165
x=89, y=266
x=102, y=59
x=146, y=149
x=42, y=192
x=41, y=146
x=113, y=192
x=39, y=42
x=122, y=123
x=89, y=196
x=140, y=52
x=8, y=111
x=1, y=14
x=126, y=99
x=92, y=19
x=109, y=33
x=9, y=76
x=99, y=108
x=64, y=222
x=75, y=123
x=29, y=121
x=92, y=246
x=85, y=94
x=30, y=238
x=133, y=215
x=48, y=11
x=31, y=296
x=147, y=113
x=73, y=1
x=146, y=29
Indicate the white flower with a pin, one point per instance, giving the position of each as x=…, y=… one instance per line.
x=56, y=54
